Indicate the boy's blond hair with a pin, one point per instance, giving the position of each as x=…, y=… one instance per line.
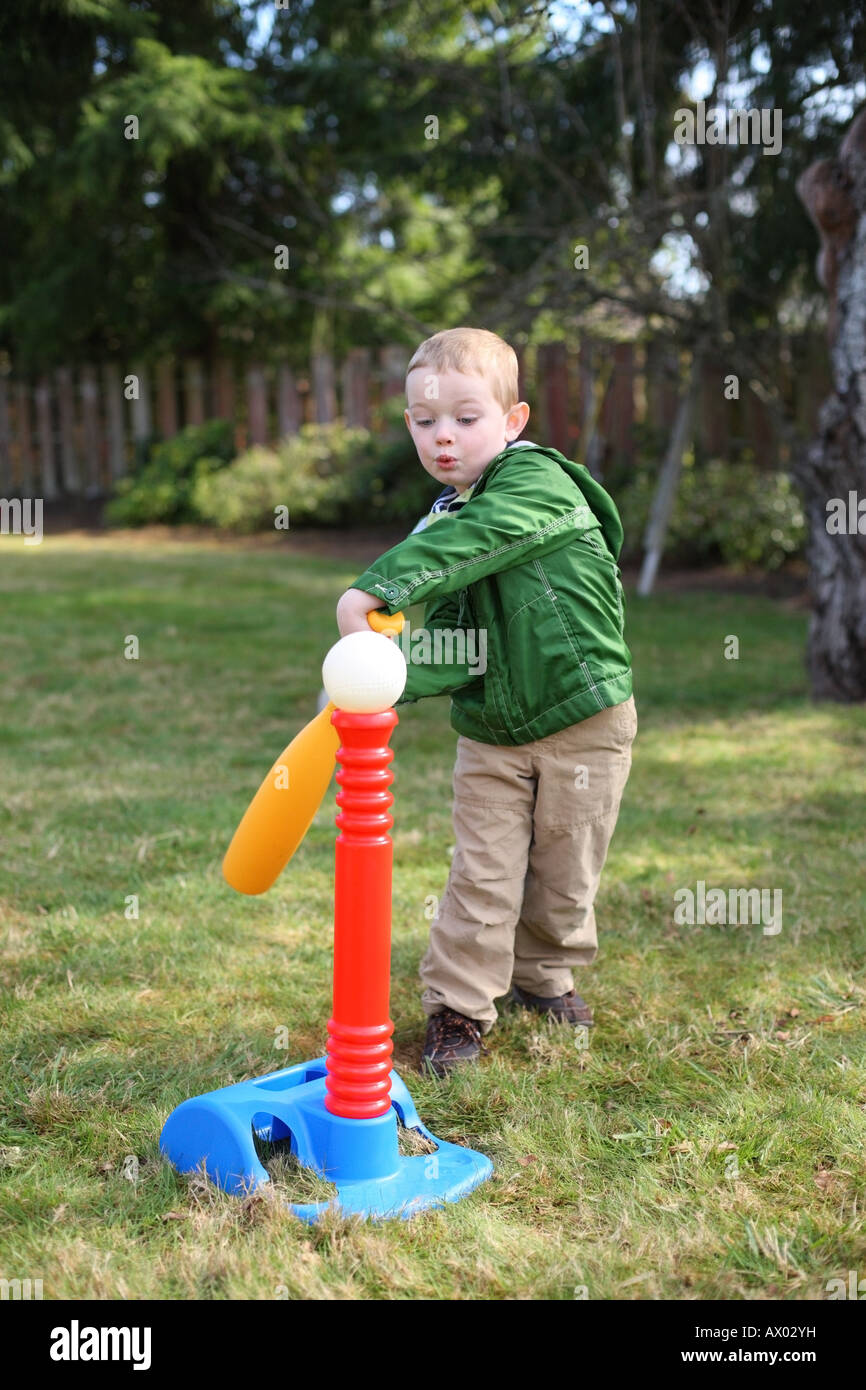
x=476, y=352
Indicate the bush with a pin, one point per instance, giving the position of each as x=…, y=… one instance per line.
x=311, y=473
x=243, y=497
x=163, y=489
x=731, y=513
x=326, y=475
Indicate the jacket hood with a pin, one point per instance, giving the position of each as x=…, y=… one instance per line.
x=599, y=501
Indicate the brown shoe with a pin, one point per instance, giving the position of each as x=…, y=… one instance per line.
x=564, y=1008
x=451, y=1039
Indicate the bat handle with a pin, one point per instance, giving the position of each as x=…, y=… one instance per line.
x=391, y=624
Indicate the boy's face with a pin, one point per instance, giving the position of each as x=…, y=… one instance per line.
x=460, y=428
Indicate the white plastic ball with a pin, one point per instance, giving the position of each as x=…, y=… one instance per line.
x=364, y=673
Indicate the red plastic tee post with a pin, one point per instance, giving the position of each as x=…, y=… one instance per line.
x=358, y=1084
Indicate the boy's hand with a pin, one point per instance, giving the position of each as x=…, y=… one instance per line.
x=352, y=611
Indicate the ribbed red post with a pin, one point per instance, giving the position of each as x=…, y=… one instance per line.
x=358, y=1084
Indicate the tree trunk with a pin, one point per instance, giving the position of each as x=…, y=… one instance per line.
x=832, y=472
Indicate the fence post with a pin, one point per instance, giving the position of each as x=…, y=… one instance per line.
x=324, y=387
x=90, y=432
x=596, y=366
x=257, y=405
x=716, y=410
x=142, y=420
x=552, y=388
x=289, y=413
x=224, y=389
x=68, y=435
x=224, y=393
x=25, y=448
x=356, y=388
x=393, y=367
x=45, y=434
x=5, y=441
x=114, y=421
x=392, y=379
x=622, y=402
x=193, y=385
x=166, y=400
x=662, y=389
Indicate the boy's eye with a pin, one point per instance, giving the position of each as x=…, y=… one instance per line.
x=464, y=420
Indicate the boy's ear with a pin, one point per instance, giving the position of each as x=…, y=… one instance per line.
x=517, y=418
x=407, y=417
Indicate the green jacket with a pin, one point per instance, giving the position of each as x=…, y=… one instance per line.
x=528, y=566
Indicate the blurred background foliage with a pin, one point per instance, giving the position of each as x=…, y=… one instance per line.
x=424, y=166
x=310, y=125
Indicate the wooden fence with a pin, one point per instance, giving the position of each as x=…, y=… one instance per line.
x=74, y=431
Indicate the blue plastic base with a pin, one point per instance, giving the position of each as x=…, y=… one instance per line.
x=360, y=1157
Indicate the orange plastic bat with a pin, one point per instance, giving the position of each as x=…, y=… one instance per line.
x=283, y=808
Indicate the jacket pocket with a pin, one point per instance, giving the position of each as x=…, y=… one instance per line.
x=592, y=540
x=545, y=659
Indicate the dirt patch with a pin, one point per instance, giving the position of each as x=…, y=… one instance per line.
x=83, y=521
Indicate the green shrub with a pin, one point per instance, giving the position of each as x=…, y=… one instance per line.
x=327, y=475
x=162, y=491
x=311, y=473
x=242, y=497
x=729, y=513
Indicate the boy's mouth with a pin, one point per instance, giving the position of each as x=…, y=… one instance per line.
x=446, y=460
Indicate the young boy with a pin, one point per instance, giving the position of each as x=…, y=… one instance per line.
x=519, y=553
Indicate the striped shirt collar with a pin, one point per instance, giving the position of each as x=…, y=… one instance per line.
x=450, y=500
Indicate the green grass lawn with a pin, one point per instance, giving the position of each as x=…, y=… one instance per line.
x=709, y=1143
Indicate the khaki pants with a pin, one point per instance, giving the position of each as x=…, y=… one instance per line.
x=532, y=825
